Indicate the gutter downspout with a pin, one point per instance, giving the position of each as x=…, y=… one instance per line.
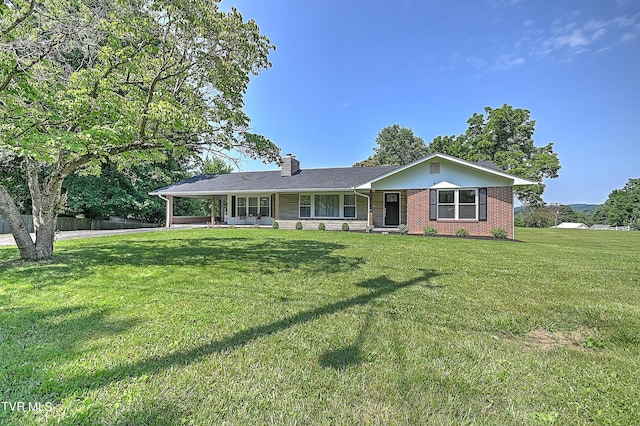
x=368, y=204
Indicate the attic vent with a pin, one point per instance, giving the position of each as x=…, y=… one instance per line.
x=434, y=167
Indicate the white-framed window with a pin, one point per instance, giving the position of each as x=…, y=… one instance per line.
x=242, y=206
x=458, y=204
x=265, y=207
x=327, y=206
x=305, y=205
x=253, y=206
x=349, y=206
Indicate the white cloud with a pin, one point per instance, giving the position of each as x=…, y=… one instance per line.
x=628, y=37
x=571, y=37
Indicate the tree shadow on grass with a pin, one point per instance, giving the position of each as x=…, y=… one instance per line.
x=265, y=256
x=351, y=355
x=379, y=287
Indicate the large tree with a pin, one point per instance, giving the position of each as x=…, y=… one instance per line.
x=396, y=145
x=505, y=136
x=622, y=208
x=82, y=81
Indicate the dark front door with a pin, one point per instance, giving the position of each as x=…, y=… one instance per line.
x=392, y=209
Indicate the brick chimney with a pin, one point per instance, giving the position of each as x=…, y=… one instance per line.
x=290, y=166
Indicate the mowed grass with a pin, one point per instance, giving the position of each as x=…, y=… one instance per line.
x=234, y=326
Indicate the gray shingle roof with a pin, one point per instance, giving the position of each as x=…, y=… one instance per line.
x=305, y=179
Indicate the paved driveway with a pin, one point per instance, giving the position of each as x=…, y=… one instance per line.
x=7, y=239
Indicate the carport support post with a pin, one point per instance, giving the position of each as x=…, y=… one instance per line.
x=213, y=210
x=169, y=218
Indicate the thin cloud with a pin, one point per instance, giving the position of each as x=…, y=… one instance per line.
x=572, y=38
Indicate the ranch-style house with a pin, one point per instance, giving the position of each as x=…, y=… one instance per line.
x=439, y=191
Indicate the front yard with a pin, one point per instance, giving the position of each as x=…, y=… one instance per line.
x=270, y=326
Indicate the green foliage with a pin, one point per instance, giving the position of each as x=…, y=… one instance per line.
x=84, y=82
x=215, y=166
x=430, y=231
x=499, y=233
x=536, y=217
x=461, y=232
x=275, y=225
x=403, y=229
x=396, y=145
x=345, y=226
x=622, y=207
x=505, y=137
x=299, y=225
x=321, y=226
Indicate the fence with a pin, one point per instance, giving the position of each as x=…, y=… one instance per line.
x=74, y=224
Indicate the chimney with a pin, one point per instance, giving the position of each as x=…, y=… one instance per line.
x=290, y=166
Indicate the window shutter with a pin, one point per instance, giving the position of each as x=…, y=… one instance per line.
x=233, y=206
x=433, y=204
x=482, y=204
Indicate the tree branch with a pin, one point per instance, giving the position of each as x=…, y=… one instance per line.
x=20, y=19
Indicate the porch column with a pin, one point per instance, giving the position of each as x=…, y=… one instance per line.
x=370, y=208
x=213, y=210
x=169, y=215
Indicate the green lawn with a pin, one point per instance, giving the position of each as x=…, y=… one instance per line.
x=260, y=326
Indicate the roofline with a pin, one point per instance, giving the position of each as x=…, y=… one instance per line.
x=248, y=191
x=517, y=181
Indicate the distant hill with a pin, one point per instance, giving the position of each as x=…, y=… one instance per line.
x=578, y=208
x=585, y=208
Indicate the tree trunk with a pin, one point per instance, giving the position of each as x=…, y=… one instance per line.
x=45, y=203
x=10, y=212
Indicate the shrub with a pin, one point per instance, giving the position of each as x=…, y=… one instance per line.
x=275, y=225
x=345, y=226
x=461, y=232
x=369, y=229
x=430, y=231
x=404, y=229
x=298, y=225
x=321, y=226
x=499, y=233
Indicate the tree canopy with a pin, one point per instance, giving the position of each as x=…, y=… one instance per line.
x=396, y=145
x=622, y=207
x=84, y=81
x=504, y=136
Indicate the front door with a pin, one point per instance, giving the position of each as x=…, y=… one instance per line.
x=392, y=209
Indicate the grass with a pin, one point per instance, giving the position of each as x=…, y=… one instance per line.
x=270, y=326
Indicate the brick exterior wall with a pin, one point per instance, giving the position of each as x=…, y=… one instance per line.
x=499, y=214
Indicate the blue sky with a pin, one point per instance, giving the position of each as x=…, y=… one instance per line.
x=343, y=70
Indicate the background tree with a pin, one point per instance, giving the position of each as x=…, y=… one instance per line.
x=215, y=166
x=622, y=207
x=117, y=191
x=83, y=81
x=504, y=136
x=396, y=145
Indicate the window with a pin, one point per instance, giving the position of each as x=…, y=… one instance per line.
x=253, y=206
x=242, y=206
x=467, y=204
x=458, y=204
x=349, y=208
x=305, y=206
x=327, y=206
x=265, y=203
